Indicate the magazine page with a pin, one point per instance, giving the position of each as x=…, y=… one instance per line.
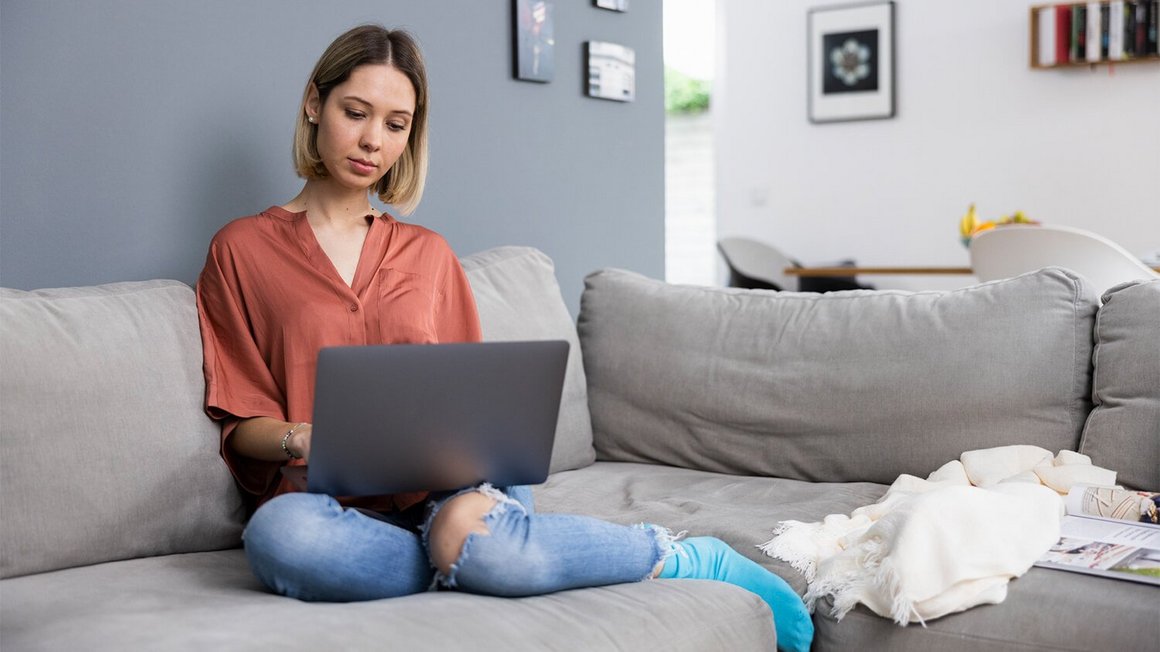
x=1109, y=532
x=1114, y=503
x=1120, y=533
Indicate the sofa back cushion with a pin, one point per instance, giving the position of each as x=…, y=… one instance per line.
x=1123, y=431
x=105, y=452
x=519, y=299
x=849, y=386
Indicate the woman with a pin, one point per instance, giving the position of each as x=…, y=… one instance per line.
x=327, y=269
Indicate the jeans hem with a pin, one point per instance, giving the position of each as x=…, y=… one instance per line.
x=666, y=545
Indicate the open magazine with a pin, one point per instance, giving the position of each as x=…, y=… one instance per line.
x=1110, y=532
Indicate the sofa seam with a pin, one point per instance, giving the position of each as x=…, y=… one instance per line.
x=524, y=252
x=33, y=296
x=1097, y=403
x=829, y=296
x=1078, y=417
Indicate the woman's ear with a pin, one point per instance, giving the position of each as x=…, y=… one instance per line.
x=312, y=106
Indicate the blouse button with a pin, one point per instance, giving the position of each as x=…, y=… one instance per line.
x=354, y=307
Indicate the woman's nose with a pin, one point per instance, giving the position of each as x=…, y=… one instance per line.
x=371, y=139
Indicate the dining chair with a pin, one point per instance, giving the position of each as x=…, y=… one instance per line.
x=756, y=265
x=1011, y=250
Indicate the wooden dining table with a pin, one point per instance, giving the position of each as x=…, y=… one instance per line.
x=896, y=271
x=854, y=271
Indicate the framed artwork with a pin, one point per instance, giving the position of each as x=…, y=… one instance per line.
x=535, y=42
x=851, y=62
x=611, y=71
x=614, y=5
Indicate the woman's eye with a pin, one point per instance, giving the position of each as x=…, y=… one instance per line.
x=396, y=126
x=354, y=115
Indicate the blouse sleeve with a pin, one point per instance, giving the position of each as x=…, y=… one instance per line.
x=238, y=383
x=456, y=317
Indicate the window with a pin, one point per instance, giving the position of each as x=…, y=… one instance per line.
x=690, y=163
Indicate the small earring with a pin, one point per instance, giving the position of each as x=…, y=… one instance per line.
x=310, y=119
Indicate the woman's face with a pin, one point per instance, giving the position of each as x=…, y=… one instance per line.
x=364, y=125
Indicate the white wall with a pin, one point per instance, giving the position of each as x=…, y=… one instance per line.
x=1074, y=147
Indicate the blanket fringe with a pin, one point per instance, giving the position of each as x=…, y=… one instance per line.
x=888, y=581
x=795, y=543
x=845, y=577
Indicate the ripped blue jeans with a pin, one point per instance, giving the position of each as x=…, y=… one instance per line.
x=309, y=547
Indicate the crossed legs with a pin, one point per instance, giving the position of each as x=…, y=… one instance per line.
x=481, y=540
x=486, y=541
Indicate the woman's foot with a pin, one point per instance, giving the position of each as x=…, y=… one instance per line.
x=707, y=558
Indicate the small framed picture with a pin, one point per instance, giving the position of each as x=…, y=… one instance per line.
x=611, y=71
x=614, y=5
x=535, y=43
x=851, y=62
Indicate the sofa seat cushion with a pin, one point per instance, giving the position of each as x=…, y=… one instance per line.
x=739, y=510
x=1045, y=609
x=210, y=601
x=849, y=386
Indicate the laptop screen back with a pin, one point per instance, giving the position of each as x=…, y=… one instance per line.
x=429, y=417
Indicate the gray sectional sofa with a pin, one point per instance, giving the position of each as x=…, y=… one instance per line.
x=711, y=410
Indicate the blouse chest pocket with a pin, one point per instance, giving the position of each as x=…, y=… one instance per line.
x=406, y=308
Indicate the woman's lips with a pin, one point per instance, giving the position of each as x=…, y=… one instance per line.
x=362, y=167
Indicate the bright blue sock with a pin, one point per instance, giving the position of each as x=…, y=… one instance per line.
x=712, y=559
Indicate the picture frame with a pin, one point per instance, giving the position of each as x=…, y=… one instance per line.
x=851, y=62
x=611, y=71
x=534, y=42
x=612, y=5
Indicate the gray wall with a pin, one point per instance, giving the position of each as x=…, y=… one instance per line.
x=130, y=131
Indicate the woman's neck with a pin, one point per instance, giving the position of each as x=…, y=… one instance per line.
x=326, y=205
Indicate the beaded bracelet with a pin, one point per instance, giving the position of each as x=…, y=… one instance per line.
x=286, y=438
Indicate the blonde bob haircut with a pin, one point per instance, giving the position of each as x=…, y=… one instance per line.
x=402, y=185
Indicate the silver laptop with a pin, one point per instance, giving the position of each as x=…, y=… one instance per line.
x=415, y=417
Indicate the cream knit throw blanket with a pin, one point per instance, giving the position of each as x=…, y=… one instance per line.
x=941, y=545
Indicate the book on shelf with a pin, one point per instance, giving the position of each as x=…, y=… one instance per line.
x=1078, y=46
x=1141, y=36
x=1047, y=37
x=1153, y=45
x=1137, y=15
x=1093, y=32
x=1111, y=532
x=1062, y=33
x=1116, y=30
x=1129, y=29
x=1105, y=28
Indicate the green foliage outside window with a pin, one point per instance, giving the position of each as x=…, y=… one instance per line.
x=683, y=94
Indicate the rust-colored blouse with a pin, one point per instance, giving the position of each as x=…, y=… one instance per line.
x=269, y=298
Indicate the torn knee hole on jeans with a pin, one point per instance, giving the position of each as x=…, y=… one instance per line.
x=502, y=501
